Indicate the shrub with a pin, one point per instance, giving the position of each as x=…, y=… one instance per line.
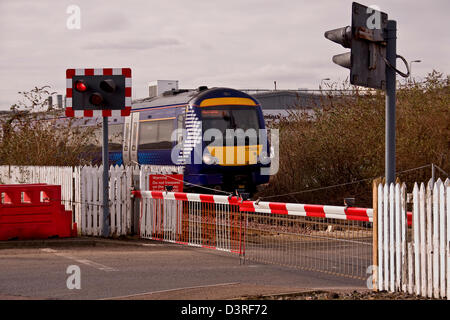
x=344, y=141
x=32, y=133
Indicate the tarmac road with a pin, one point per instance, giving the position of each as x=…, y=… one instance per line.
x=149, y=270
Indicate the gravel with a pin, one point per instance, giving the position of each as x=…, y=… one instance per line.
x=339, y=295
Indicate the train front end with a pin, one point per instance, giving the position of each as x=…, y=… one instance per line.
x=226, y=142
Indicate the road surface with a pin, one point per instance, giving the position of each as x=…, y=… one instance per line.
x=150, y=270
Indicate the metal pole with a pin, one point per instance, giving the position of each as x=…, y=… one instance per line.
x=391, y=56
x=106, y=219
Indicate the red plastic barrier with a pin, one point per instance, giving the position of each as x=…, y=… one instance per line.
x=33, y=211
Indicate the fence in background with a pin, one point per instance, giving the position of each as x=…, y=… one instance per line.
x=331, y=239
x=63, y=176
x=81, y=192
x=414, y=259
x=90, y=216
x=208, y=221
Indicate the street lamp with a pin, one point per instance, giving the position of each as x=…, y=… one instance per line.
x=410, y=67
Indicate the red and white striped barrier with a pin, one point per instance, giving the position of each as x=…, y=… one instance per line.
x=182, y=196
x=308, y=210
x=200, y=220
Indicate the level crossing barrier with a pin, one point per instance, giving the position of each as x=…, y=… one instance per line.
x=208, y=221
x=331, y=239
x=33, y=211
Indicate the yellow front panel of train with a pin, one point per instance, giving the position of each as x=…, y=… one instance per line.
x=236, y=155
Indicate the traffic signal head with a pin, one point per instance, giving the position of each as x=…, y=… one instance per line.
x=98, y=89
x=98, y=92
x=108, y=85
x=343, y=59
x=96, y=99
x=80, y=86
x=343, y=36
x=366, y=40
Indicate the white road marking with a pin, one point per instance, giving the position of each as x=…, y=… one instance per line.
x=169, y=290
x=89, y=263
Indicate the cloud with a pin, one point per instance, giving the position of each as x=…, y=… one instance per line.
x=235, y=43
x=131, y=44
x=105, y=21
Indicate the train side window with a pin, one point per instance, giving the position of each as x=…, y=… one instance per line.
x=155, y=134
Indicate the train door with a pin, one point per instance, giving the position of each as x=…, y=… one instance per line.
x=127, y=140
x=131, y=134
x=134, y=137
x=181, y=124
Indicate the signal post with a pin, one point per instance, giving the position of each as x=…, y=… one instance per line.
x=99, y=93
x=372, y=63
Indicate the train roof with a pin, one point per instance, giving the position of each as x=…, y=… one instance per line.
x=170, y=98
x=183, y=97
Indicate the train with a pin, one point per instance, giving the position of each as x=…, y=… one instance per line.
x=216, y=135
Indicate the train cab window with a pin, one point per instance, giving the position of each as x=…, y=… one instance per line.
x=115, y=137
x=223, y=118
x=155, y=134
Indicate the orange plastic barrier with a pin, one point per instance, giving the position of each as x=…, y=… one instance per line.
x=33, y=211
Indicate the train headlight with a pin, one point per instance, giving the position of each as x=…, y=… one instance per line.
x=209, y=159
x=264, y=159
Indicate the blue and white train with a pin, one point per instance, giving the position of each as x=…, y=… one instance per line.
x=147, y=137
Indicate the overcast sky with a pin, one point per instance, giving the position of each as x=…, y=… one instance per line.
x=234, y=43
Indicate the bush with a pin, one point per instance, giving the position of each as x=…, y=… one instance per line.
x=343, y=143
x=32, y=134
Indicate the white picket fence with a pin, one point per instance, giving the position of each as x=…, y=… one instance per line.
x=82, y=191
x=90, y=215
x=415, y=259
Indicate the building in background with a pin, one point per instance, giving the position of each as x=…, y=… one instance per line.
x=278, y=102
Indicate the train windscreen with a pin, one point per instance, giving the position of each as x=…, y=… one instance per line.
x=223, y=118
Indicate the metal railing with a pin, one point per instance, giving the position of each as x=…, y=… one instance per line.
x=334, y=240
x=207, y=221
x=334, y=246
